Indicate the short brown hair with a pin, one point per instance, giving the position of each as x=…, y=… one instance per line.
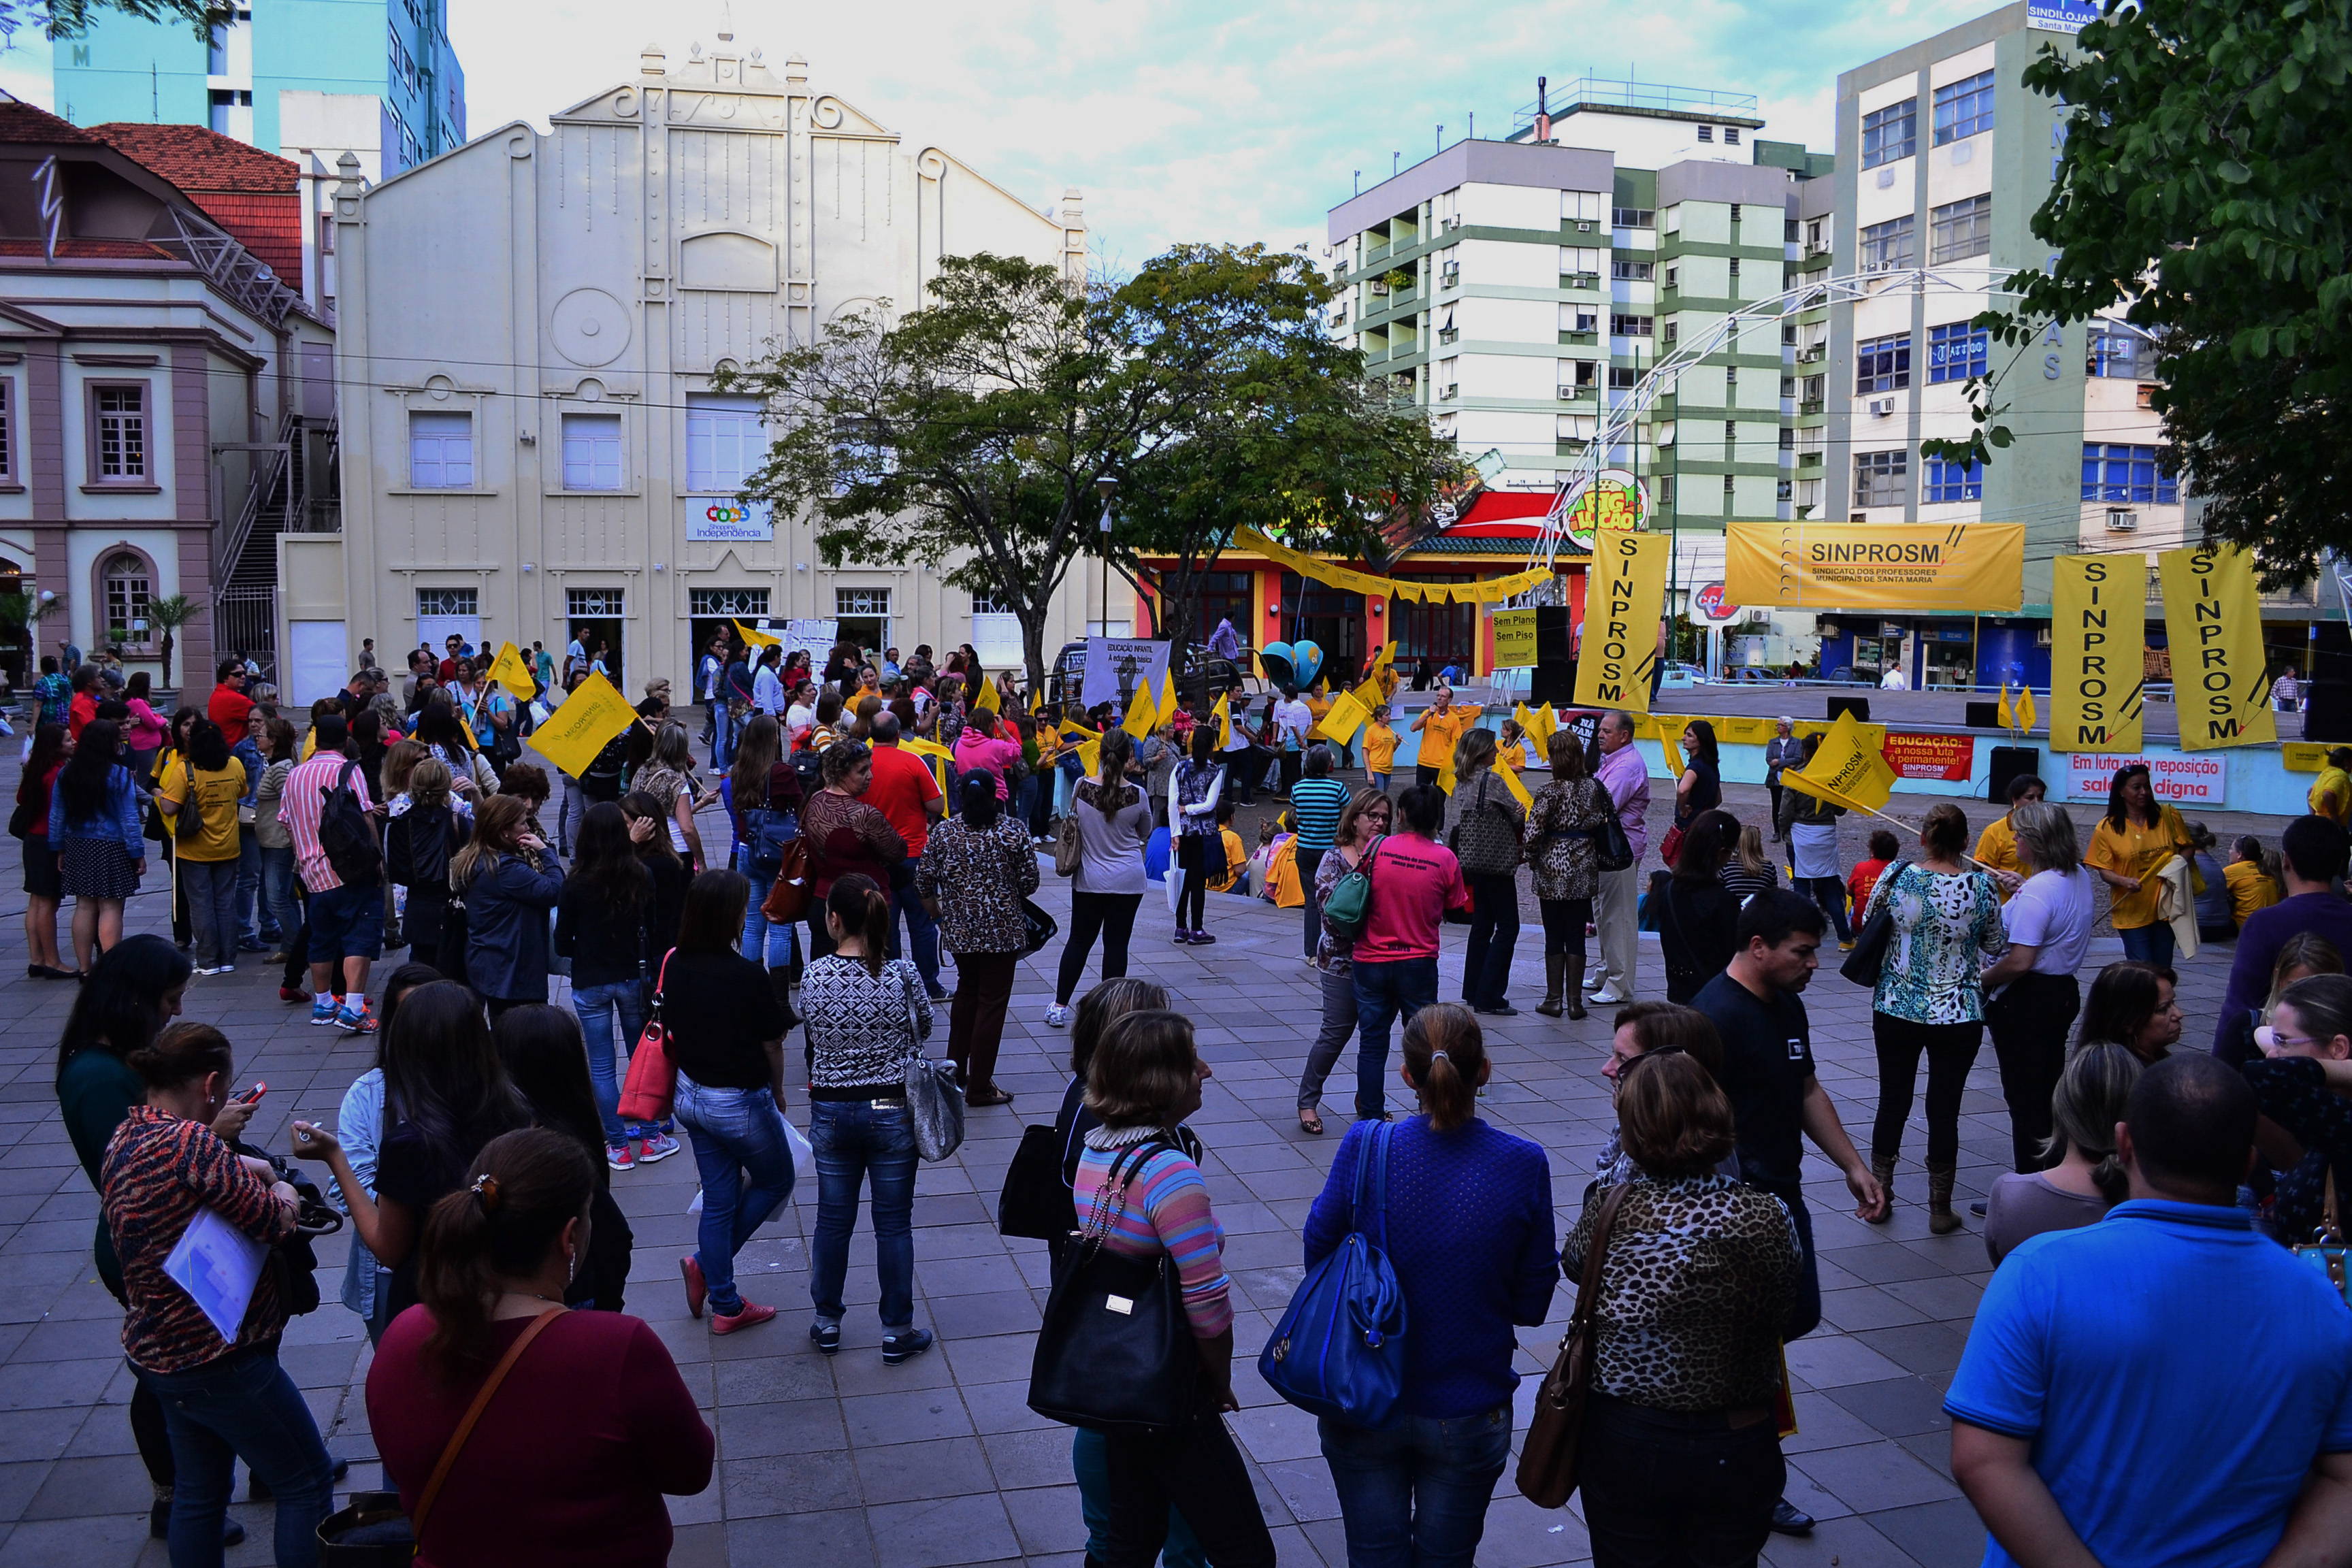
x=1363, y=801
x=712, y=919
x=1566, y=754
x=1676, y=1119
x=1663, y=1026
x=1142, y=1068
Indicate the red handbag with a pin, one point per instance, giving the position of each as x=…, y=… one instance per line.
x=652, y=1083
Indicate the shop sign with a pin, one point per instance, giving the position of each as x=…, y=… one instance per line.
x=2198, y=780
x=1515, y=639
x=1946, y=757
x=725, y=520
x=1614, y=499
x=1713, y=604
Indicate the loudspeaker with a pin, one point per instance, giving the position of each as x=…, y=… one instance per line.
x=1984, y=716
x=1857, y=706
x=2008, y=763
x=2331, y=653
x=1554, y=678
x=2327, y=714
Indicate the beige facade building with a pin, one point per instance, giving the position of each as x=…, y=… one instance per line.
x=532, y=449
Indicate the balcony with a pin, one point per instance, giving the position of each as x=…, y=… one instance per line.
x=1590, y=280
x=1810, y=406
x=1585, y=394
x=1814, y=354
x=1449, y=277
x=1451, y=391
x=1809, y=459
x=1588, y=338
x=1448, y=334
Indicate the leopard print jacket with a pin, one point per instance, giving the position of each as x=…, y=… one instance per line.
x=1700, y=1278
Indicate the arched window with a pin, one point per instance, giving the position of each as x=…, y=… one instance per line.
x=126, y=588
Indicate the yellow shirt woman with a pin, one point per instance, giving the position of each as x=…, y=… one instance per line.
x=217, y=792
x=2249, y=890
x=2136, y=851
x=2331, y=796
x=1379, y=747
x=1997, y=848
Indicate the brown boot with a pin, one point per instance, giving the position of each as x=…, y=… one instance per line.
x=1941, y=1220
x=1554, y=964
x=779, y=981
x=1576, y=988
x=1883, y=1167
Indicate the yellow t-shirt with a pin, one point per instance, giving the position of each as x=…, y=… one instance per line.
x=2249, y=890
x=1441, y=733
x=1237, y=861
x=1997, y=848
x=218, y=793
x=1379, y=747
x=2135, y=852
x=1513, y=755
x=2331, y=796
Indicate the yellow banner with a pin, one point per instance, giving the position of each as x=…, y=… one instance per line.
x=512, y=670
x=2213, y=621
x=577, y=731
x=2098, y=604
x=1490, y=591
x=1142, y=714
x=1623, y=607
x=1744, y=731
x=1962, y=568
x=2303, y=756
x=1849, y=770
x=1874, y=735
x=1515, y=638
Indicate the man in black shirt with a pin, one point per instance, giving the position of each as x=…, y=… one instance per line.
x=1776, y=1100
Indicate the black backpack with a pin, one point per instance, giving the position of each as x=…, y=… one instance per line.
x=347, y=834
x=416, y=847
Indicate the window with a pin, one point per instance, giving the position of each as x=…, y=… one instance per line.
x=1881, y=478
x=724, y=442
x=1586, y=321
x=1881, y=364
x=128, y=589
x=1890, y=245
x=1947, y=481
x=118, y=434
x=1816, y=388
x=1960, y=230
x=217, y=50
x=1735, y=267
x=1728, y=482
x=2125, y=474
x=1735, y=206
x=1633, y=218
x=1622, y=326
x=440, y=451
x=1964, y=109
x=592, y=604
x=1731, y=139
x=1730, y=378
x=748, y=603
x=592, y=451
x=861, y=601
x=7, y=434
x=1731, y=430
x=1956, y=351
x=1706, y=133
x=1674, y=331
x=1623, y=378
x=404, y=67
x=1632, y=271
x=2117, y=352
x=435, y=603
x=1890, y=133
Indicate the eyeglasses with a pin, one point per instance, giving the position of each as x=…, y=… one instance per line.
x=2270, y=1039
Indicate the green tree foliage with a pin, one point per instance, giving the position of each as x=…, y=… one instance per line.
x=72, y=18
x=968, y=434
x=2204, y=185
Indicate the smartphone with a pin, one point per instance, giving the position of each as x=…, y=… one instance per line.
x=253, y=1096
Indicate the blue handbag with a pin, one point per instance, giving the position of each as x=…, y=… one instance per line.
x=1339, y=1349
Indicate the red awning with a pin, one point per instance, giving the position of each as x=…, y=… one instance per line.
x=1503, y=514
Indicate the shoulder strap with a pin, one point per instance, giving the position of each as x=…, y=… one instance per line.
x=1588, y=1288
x=474, y=1413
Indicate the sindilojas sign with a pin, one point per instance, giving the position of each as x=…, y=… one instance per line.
x=2187, y=781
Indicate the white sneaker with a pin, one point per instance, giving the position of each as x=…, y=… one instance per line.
x=1609, y=996
x=1596, y=980
x=1058, y=1017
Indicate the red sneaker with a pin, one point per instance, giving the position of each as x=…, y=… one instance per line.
x=752, y=1313
x=287, y=994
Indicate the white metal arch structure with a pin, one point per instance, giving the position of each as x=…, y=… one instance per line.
x=1616, y=425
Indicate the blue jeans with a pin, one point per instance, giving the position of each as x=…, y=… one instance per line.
x=722, y=737
x=241, y=1406
x=2149, y=944
x=277, y=911
x=603, y=1010
x=248, y=885
x=922, y=932
x=1415, y=1493
x=1386, y=993
x=747, y=1174
x=1090, y=1461
x=763, y=935
x=855, y=1140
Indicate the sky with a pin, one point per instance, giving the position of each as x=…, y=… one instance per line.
x=1201, y=120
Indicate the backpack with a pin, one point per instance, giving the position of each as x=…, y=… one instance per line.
x=766, y=830
x=809, y=763
x=347, y=835
x=416, y=847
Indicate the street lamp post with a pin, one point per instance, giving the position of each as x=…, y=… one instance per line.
x=1104, y=487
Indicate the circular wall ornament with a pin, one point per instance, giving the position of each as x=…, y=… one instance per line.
x=590, y=327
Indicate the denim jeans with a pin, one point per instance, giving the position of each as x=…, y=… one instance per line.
x=747, y=1176
x=1386, y=994
x=210, y=888
x=855, y=1141
x=610, y=1019
x=1413, y=1494
x=762, y=934
x=723, y=736
x=1339, y=1023
x=2149, y=943
x=1670, y=1486
x=241, y=1406
x=1090, y=1462
x=922, y=932
x=248, y=885
x=1309, y=862
x=278, y=910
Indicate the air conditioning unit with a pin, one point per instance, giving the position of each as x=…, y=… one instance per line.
x=1379, y=286
x=1451, y=275
x=1817, y=247
x=1584, y=225
x=2120, y=520
x=1759, y=617
x=1570, y=393
x=1814, y=355
x=1451, y=392
x=1882, y=407
x=1451, y=224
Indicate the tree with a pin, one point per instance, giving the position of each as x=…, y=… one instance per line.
x=169, y=614
x=2201, y=187
x=71, y=18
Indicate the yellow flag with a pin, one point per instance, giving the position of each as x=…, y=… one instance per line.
x=1847, y=771
x=988, y=698
x=2220, y=676
x=1369, y=693
x=1510, y=777
x=936, y=756
x=512, y=670
x=2007, y=715
x=1622, y=612
x=2025, y=710
x=1224, y=719
x=1142, y=714
x=757, y=638
x=1538, y=725
x=2098, y=606
x=1347, y=716
x=1037, y=700
x=1168, y=703
x=1090, y=757
x=577, y=731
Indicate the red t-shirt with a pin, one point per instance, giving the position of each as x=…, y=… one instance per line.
x=81, y=710
x=229, y=707
x=1414, y=881
x=902, y=785
x=448, y=670
x=973, y=750
x=570, y=1459
x=1862, y=881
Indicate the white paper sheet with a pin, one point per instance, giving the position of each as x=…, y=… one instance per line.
x=218, y=1266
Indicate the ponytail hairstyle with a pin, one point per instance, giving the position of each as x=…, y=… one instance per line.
x=2085, y=1108
x=980, y=804
x=524, y=1188
x=1116, y=748
x=2252, y=850
x=864, y=911
x=1445, y=1052
x=183, y=1054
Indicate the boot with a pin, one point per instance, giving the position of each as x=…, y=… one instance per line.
x=1941, y=1220
x=1555, y=965
x=1883, y=1167
x=1575, y=987
x=779, y=981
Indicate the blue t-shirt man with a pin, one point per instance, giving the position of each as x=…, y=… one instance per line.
x=2160, y=1442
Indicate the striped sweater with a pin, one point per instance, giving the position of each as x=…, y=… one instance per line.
x=1165, y=1208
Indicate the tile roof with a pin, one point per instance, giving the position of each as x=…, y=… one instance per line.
x=201, y=161
x=71, y=249
x=20, y=121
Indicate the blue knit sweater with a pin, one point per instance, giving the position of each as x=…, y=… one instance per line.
x=1470, y=1236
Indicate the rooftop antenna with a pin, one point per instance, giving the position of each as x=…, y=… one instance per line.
x=727, y=23
x=1441, y=138
x=1359, y=181
x=1395, y=161
x=154, y=95
x=1543, y=109
x=1474, y=125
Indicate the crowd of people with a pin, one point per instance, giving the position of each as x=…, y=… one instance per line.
x=475, y=1162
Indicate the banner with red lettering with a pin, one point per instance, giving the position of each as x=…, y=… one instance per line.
x=1946, y=757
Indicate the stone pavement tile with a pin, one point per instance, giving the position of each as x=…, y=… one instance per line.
x=791, y=1426
x=1933, y=1449
x=834, y=1538
x=933, y=1534
x=1865, y=1307
x=1919, y=1347
x=90, y=1543
x=909, y=1417
x=1810, y=1497
x=1272, y=1433
x=1874, y=1476
x=26, y=1491
x=39, y=1385
x=1005, y=1407
x=788, y=1483
x=697, y=1545
x=1823, y=1423
x=1306, y=1487
x=924, y=1470
x=1045, y=1520
x=1521, y=1535
x=1027, y=1460
x=1823, y=1359
x=1850, y=1542
x=1895, y=1408
x=1945, y=1298
x=987, y=1313
x=1946, y=1534
x=769, y=1381
x=995, y=1358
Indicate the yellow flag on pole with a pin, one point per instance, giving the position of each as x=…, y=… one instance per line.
x=1090, y=757
x=2007, y=715
x=512, y=670
x=1037, y=700
x=1510, y=777
x=758, y=638
x=1847, y=771
x=1369, y=693
x=2025, y=712
x=577, y=731
x=1168, y=703
x=988, y=698
x=1346, y=717
x=1539, y=724
x=1142, y=714
x=938, y=755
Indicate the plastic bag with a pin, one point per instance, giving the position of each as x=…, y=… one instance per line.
x=804, y=1156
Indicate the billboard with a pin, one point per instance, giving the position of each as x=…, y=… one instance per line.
x=2199, y=780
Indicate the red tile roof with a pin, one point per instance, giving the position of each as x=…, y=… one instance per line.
x=199, y=160
x=20, y=121
x=70, y=249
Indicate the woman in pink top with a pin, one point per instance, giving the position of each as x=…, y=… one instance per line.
x=144, y=730
x=979, y=746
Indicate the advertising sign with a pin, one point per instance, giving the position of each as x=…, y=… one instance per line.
x=2068, y=17
x=2214, y=623
x=1116, y=665
x=1927, y=569
x=2098, y=606
x=1622, y=621
x=1614, y=500
x=725, y=520
x=1711, y=603
x=2187, y=781
x=1515, y=639
x=1945, y=757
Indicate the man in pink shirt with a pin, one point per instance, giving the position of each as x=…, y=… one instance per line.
x=981, y=745
x=1415, y=879
x=345, y=924
x=1626, y=777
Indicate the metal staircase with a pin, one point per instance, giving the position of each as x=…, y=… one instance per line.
x=294, y=490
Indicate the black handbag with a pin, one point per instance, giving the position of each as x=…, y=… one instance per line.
x=1116, y=1349
x=1868, y=959
x=1035, y=1202
x=1038, y=928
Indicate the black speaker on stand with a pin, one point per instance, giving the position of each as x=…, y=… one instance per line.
x=1554, y=679
x=2008, y=763
x=1857, y=706
x=2327, y=694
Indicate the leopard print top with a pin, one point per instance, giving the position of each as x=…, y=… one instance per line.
x=1700, y=1275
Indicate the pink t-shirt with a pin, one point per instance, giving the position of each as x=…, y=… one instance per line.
x=973, y=750
x=1414, y=881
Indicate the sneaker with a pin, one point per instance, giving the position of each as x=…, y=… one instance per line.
x=1201, y=939
x=905, y=1345
x=752, y=1315
x=1846, y=946
x=1057, y=1016
x=826, y=1336
x=1609, y=996
x=655, y=1147
x=287, y=994
x=696, y=1291
x=252, y=945
x=355, y=1021
x=618, y=1155
x=1182, y=938
x=323, y=1010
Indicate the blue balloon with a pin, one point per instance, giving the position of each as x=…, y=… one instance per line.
x=1307, y=658
x=1270, y=654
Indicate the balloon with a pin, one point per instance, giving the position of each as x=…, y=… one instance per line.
x=1275, y=659
x=1307, y=658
